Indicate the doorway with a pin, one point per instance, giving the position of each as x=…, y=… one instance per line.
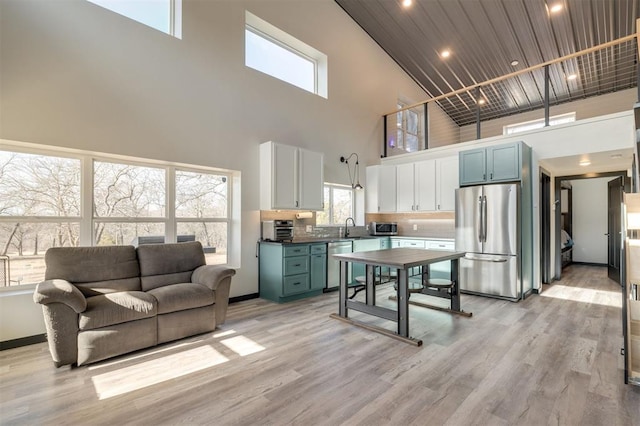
x=545, y=226
x=612, y=216
x=615, y=197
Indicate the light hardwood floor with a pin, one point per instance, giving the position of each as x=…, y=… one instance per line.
x=551, y=359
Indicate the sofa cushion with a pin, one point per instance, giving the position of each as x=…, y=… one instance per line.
x=178, y=297
x=117, y=308
x=95, y=270
x=166, y=264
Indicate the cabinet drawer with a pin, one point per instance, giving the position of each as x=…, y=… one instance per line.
x=295, y=284
x=297, y=250
x=441, y=245
x=296, y=265
x=412, y=243
x=318, y=248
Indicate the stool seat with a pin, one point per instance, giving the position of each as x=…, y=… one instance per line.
x=439, y=283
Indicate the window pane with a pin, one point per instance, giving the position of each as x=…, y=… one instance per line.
x=411, y=142
x=201, y=195
x=109, y=234
x=154, y=13
x=23, y=246
x=322, y=218
x=38, y=185
x=342, y=205
x=412, y=122
x=122, y=190
x=268, y=57
x=400, y=141
x=212, y=235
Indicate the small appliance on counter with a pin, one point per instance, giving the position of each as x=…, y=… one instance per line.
x=277, y=230
x=383, y=228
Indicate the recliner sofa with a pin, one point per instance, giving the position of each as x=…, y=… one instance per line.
x=99, y=302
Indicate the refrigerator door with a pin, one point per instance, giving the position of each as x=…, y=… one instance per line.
x=490, y=275
x=501, y=219
x=468, y=221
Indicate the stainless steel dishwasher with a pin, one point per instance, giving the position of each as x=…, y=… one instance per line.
x=333, y=266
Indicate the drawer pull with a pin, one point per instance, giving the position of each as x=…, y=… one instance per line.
x=297, y=264
x=298, y=283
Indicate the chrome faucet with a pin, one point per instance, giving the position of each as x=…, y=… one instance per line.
x=346, y=226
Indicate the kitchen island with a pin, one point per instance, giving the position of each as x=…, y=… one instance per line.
x=402, y=260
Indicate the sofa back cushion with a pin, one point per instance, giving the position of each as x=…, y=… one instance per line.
x=95, y=270
x=166, y=264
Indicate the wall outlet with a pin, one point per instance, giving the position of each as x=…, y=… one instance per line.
x=309, y=228
x=415, y=227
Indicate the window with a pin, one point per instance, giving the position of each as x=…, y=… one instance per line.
x=39, y=208
x=538, y=124
x=276, y=53
x=44, y=202
x=163, y=15
x=409, y=129
x=338, y=205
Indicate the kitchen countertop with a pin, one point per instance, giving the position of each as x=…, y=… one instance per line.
x=320, y=240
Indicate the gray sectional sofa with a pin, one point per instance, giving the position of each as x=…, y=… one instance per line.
x=99, y=302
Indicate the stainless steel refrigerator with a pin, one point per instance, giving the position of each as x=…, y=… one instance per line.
x=488, y=230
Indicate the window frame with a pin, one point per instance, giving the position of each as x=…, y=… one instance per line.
x=174, y=27
x=272, y=34
x=527, y=126
x=331, y=187
x=404, y=128
x=87, y=220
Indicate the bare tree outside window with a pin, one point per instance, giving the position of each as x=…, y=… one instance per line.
x=201, y=201
x=32, y=189
x=338, y=205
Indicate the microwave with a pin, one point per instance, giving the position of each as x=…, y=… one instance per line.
x=277, y=230
x=383, y=228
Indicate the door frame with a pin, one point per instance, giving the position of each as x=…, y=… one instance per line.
x=545, y=226
x=558, y=182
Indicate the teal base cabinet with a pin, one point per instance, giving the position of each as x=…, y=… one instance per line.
x=288, y=272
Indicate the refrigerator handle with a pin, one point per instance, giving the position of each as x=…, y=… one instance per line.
x=484, y=218
x=481, y=227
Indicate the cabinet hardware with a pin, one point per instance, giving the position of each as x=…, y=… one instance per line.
x=297, y=264
x=298, y=283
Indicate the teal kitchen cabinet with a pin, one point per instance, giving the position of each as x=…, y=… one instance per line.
x=318, y=266
x=500, y=163
x=287, y=271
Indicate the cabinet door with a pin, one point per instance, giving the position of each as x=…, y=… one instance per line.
x=405, y=188
x=425, y=183
x=283, y=177
x=473, y=166
x=387, y=189
x=311, y=183
x=372, y=189
x=318, y=274
x=503, y=163
x=446, y=183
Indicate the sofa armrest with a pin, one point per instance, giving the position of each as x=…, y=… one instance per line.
x=60, y=291
x=211, y=275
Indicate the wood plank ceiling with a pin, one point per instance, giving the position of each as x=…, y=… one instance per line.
x=486, y=36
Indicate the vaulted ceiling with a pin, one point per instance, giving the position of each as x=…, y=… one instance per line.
x=485, y=37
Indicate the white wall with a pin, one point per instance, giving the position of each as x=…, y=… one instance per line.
x=589, y=219
x=75, y=75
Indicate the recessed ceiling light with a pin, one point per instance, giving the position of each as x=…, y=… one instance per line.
x=572, y=76
x=514, y=63
x=584, y=163
x=481, y=101
x=556, y=8
x=445, y=53
x=407, y=3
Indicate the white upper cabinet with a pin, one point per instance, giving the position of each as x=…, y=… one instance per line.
x=423, y=186
x=414, y=186
x=447, y=176
x=290, y=178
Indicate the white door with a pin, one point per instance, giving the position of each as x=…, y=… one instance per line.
x=284, y=177
x=425, y=182
x=311, y=183
x=447, y=178
x=405, y=188
x=387, y=189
